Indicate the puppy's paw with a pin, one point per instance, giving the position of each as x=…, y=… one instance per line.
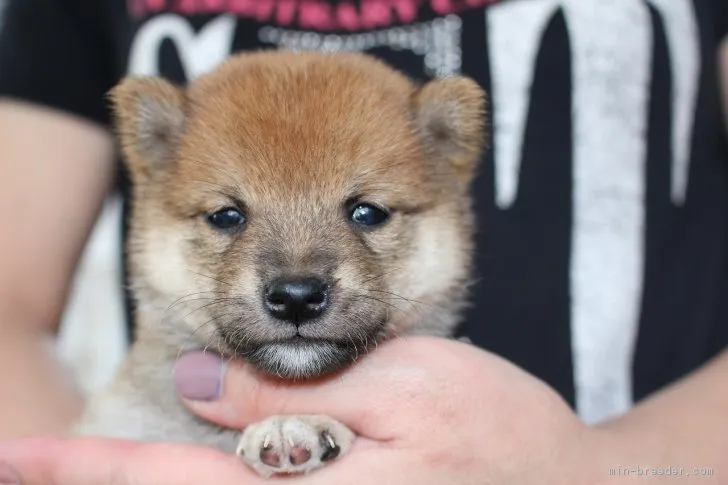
x=293, y=444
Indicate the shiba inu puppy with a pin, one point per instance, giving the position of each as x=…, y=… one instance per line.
x=293, y=210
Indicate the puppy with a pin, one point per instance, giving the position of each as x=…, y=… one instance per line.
x=293, y=210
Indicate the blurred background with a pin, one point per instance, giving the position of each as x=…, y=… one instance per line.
x=93, y=335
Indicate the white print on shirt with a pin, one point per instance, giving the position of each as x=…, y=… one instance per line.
x=437, y=42
x=198, y=52
x=612, y=45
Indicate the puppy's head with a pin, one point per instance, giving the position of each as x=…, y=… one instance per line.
x=295, y=209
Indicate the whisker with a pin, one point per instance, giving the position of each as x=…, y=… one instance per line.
x=237, y=347
x=410, y=300
x=369, y=297
x=186, y=296
x=187, y=339
x=212, y=299
x=382, y=275
x=210, y=277
x=353, y=342
x=231, y=301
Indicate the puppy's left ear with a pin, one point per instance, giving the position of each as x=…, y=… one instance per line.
x=450, y=115
x=150, y=118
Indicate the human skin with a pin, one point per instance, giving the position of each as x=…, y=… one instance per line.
x=427, y=410
x=55, y=172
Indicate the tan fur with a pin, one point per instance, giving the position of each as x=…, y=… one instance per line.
x=291, y=138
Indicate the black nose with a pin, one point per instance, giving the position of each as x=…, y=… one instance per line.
x=296, y=300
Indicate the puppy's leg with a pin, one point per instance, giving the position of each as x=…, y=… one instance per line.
x=142, y=417
x=293, y=444
x=141, y=403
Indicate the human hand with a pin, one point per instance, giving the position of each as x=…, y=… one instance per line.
x=426, y=410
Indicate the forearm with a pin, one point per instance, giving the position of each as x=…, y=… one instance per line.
x=38, y=396
x=59, y=186
x=684, y=426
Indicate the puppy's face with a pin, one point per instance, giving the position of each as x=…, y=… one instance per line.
x=295, y=209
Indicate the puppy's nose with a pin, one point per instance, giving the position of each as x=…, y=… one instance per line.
x=298, y=299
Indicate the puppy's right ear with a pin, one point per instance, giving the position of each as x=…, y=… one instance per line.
x=150, y=118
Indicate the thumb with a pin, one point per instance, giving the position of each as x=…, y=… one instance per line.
x=400, y=375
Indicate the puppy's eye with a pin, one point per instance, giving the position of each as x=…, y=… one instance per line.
x=226, y=219
x=368, y=215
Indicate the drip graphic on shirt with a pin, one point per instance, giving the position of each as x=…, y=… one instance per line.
x=437, y=42
x=198, y=52
x=612, y=45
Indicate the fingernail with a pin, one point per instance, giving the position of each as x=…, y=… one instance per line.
x=8, y=476
x=198, y=376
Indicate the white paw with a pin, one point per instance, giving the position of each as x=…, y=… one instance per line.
x=293, y=444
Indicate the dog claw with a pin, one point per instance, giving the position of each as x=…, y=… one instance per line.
x=331, y=449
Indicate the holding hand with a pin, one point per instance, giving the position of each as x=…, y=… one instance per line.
x=426, y=410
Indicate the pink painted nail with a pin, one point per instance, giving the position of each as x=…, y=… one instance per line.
x=198, y=376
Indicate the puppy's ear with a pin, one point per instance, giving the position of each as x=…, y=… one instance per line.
x=450, y=115
x=150, y=118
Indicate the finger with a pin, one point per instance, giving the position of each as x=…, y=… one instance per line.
x=38, y=461
x=94, y=461
x=400, y=372
x=368, y=466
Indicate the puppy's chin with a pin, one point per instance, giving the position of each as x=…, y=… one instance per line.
x=301, y=358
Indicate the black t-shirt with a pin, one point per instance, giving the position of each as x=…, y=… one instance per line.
x=603, y=204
